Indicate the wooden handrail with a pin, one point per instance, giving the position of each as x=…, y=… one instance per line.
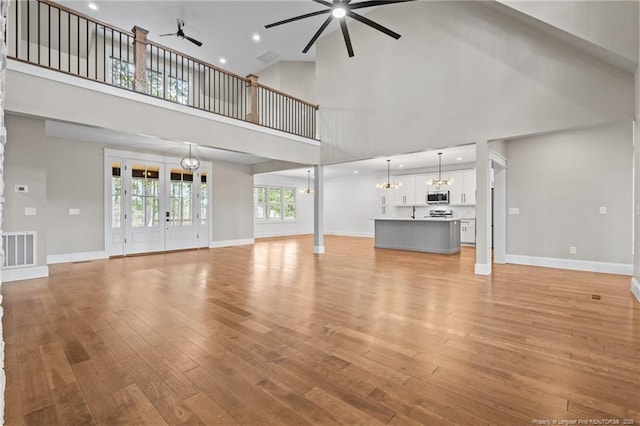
x=314, y=106
x=200, y=61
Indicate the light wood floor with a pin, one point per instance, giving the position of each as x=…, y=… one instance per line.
x=271, y=334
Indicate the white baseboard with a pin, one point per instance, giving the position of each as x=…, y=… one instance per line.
x=635, y=288
x=18, y=274
x=318, y=249
x=281, y=234
x=350, y=234
x=76, y=257
x=482, y=269
x=577, y=265
x=230, y=243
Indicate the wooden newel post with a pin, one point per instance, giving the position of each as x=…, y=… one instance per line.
x=253, y=98
x=140, y=59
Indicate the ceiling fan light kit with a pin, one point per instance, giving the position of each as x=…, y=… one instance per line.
x=340, y=9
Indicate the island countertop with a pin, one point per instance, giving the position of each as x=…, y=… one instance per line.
x=427, y=234
x=418, y=219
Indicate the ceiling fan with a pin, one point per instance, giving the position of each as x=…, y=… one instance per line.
x=181, y=34
x=339, y=9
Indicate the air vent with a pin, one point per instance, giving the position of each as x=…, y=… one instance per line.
x=596, y=297
x=19, y=249
x=267, y=56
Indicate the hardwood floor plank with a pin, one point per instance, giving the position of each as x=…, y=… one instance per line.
x=270, y=334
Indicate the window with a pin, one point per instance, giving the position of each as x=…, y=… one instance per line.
x=289, y=203
x=155, y=86
x=181, y=197
x=116, y=195
x=204, y=200
x=260, y=203
x=178, y=90
x=274, y=203
x=122, y=73
x=145, y=185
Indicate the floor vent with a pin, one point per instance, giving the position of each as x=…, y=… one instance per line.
x=19, y=249
x=596, y=297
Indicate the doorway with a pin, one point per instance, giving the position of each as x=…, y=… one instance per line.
x=152, y=205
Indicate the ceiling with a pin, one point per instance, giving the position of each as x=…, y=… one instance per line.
x=400, y=164
x=225, y=27
x=126, y=141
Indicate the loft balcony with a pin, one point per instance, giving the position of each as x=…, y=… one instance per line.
x=48, y=35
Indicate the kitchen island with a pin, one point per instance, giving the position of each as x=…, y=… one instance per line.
x=429, y=234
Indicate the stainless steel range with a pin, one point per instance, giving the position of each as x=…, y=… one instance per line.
x=441, y=213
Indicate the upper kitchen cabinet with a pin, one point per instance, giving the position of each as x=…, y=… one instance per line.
x=405, y=194
x=463, y=188
x=422, y=187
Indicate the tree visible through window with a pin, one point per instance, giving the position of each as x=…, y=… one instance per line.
x=274, y=203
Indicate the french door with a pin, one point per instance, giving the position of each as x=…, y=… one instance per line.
x=153, y=205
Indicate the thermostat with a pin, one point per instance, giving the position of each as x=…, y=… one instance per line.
x=22, y=188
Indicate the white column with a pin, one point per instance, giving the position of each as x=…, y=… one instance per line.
x=499, y=214
x=318, y=209
x=4, y=5
x=483, y=209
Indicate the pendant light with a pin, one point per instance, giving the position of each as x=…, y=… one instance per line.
x=440, y=181
x=388, y=184
x=190, y=162
x=308, y=190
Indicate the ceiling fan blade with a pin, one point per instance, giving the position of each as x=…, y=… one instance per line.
x=347, y=39
x=168, y=34
x=326, y=3
x=324, y=25
x=306, y=15
x=194, y=41
x=375, y=3
x=372, y=24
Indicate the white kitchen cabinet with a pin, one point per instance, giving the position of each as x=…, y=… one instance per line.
x=468, y=231
x=383, y=211
x=422, y=187
x=405, y=194
x=462, y=191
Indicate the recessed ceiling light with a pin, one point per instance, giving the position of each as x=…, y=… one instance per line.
x=355, y=172
x=401, y=165
x=459, y=158
x=339, y=12
x=223, y=61
x=93, y=6
x=256, y=37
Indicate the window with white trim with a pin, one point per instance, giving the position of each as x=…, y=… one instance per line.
x=274, y=203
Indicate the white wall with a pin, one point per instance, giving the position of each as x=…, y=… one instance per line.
x=461, y=72
x=296, y=78
x=609, y=24
x=559, y=182
x=349, y=204
x=304, y=208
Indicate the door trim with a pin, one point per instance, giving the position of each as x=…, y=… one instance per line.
x=112, y=155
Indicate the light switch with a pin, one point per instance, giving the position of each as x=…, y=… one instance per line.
x=603, y=209
x=30, y=211
x=514, y=210
x=74, y=212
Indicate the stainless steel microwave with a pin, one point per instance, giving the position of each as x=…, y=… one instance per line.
x=438, y=197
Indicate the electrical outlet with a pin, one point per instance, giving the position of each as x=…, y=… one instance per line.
x=30, y=211
x=514, y=210
x=74, y=212
x=603, y=209
x=572, y=250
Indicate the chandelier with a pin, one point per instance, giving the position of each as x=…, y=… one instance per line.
x=308, y=190
x=190, y=162
x=388, y=184
x=440, y=181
